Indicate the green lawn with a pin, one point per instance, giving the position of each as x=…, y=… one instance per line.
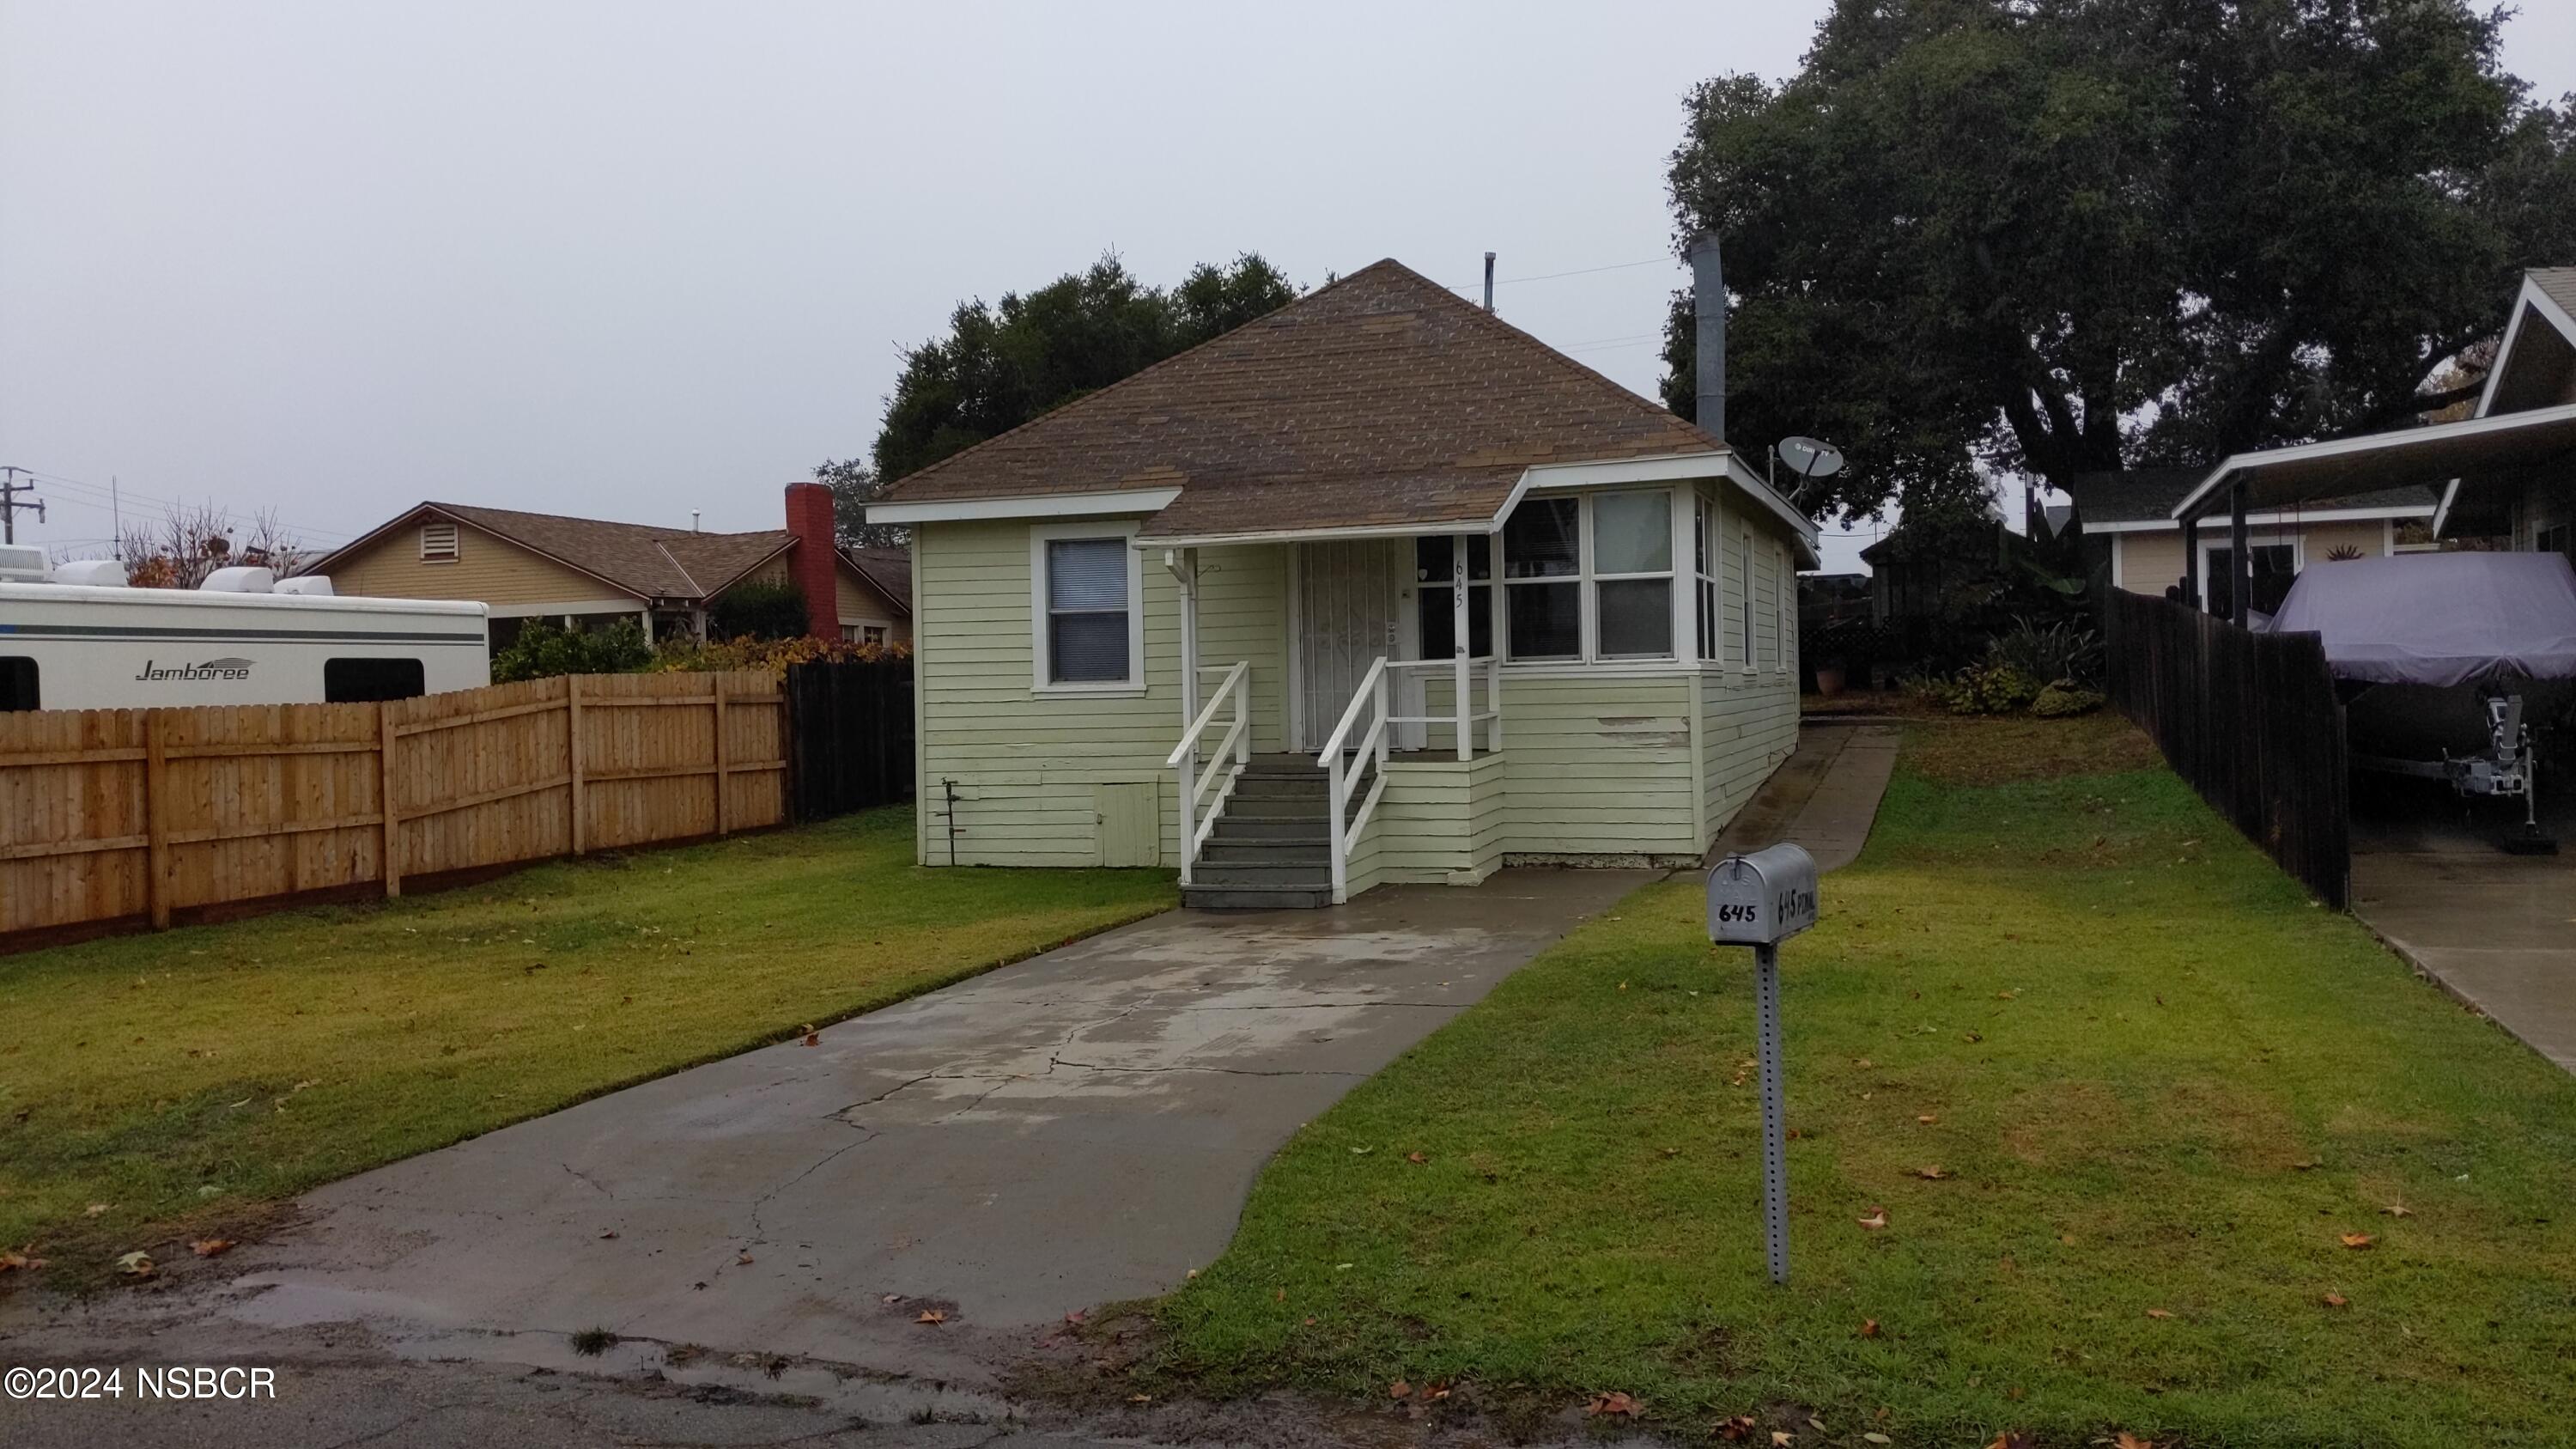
x=189, y=1080
x=2158, y=1085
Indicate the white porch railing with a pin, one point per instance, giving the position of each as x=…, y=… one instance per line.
x=1463, y=674
x=1343, y=760
x=1225, y=763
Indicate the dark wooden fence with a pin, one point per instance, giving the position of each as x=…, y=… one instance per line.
x=849, y=737
x=2251, y=720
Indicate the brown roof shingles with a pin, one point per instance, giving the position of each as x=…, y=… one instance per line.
x=658, y=562
x=1381, y=399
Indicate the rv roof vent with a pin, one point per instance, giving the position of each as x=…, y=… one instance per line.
x=311, y=586
x=20, y=564
x=240, y=579
x=95, y=573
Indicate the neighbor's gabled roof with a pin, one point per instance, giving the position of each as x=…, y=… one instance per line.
x=1380, y=401
x=634, y=558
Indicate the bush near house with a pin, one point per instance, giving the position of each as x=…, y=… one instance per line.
x=759, y=609
x=545, y=649
x=2158, y=1147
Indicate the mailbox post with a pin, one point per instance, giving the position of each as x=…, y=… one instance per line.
x=1760, y=900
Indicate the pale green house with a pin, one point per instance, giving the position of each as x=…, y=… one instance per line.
x=1376, y=588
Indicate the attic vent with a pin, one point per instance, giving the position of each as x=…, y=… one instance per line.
x=438, y=542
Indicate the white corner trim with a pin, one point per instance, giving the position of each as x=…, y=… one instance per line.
x=1040, y=667
x=1044, y=505
x=2274, y=519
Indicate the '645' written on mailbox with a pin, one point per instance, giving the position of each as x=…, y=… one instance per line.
x=1763, y=898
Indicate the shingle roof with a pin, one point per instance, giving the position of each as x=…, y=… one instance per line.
x=889, y=569
x=1382, y=399
x=2559, y=283
x=656, y=562
x=2149, y=495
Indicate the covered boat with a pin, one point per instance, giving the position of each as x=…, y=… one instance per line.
x=2439, y=619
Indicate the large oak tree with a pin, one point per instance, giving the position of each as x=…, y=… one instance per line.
x=2059, y=236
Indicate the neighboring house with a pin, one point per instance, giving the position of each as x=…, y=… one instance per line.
x=588, y=573
x=2129, y=528
x=1915, y=574
x=2508, y=470
x=1320, y=524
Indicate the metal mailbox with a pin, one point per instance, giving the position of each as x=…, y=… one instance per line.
x=1762, y=899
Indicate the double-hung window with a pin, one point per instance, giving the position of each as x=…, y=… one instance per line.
x=1084, y=595
x=1744, y=597
x=1433, y=560
x=1704, y=568
x=1590, y=577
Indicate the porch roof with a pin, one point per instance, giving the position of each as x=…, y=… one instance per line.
x=2477, y=454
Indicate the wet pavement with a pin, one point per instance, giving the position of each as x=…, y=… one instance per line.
x=1080, y=1128
x=2497, y=930
x=1824, y=798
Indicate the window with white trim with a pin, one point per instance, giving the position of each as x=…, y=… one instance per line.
x=1704, y=568
x=1589, y=577
x=1780, y=625
x=438, y=543
x=1744, y=597
x=1086, y=608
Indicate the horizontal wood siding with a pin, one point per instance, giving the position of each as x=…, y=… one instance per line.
x=114, y=815
x=485, y=568
x=1444, y=821
x=1748, y=725
x=1598, y=764
x=1024, y=763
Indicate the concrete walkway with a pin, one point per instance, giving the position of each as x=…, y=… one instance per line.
x=1824, y=798
x=2496, y=930
x=1079, y=1128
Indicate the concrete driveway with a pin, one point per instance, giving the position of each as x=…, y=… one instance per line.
x=2497, y=930
x=1078, y=1128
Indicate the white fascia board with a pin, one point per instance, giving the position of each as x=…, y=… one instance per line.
x=1660, y=468
x=1044, y=505
x=2402, y=439
x=2529, y=300
x=2271, y=519
x=2442, y=512
x=557, y=607
x=1328, y=535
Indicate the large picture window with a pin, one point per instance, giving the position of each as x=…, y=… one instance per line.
x=1087, y=614
x=1590, y=577
x=1433, y=574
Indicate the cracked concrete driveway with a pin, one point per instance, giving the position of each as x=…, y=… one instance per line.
x=1078, y=1128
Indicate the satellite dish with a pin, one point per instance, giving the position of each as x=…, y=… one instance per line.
x=1809, y=458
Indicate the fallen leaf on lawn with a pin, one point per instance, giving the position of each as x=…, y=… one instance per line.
x=1399, y=1390
x=1876, y=1220
x=94, y=1209
x=2398, y=1210
x=1192, y=1273
x=20, y=1262
x=1930, y=1174
x=1436, y=1390
x=1140, y=1398
x=1875, y=1437
x=2337, y=1300
x=211, y=1247
x=2308, y=1165
x=137, y=1265
x=1780, y=1438
x=2067, y=1238
x=2358, y=1240
x=1416, y=1157
x=1863, y=1063
x=1869, y=1328
x=1612, y=1403
x=1796, y=1133
x=1927, y=1119
x=931, y=1316
x=1975, y=1036
x=1672, y=1152
x=1279, y=1295
x=813, y=1038
x=2010, y=1440
x=1736, y=1427
x=2128, y=1440
x=2160, y=1313
x=2006, y=995
x=1362, y=1151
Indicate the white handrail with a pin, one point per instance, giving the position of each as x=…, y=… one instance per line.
x=1462, y=715
x=1233, y=752
x=1369, y=699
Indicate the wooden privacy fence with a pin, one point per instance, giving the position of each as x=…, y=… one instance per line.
x=850, y=727
x=118, y=816
x=2251, y=720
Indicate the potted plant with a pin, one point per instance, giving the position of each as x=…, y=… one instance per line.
x=1830, y=678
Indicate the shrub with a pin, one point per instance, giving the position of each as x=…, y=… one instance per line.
x=759, y=609
x=545, y=649
x=2058, y=701
x=774, y=655
x=1990, y=688
x=2057, y=652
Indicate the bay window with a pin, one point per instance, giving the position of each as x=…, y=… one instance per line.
x=1589, y=577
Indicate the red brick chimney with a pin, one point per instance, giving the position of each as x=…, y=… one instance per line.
x=809, y=517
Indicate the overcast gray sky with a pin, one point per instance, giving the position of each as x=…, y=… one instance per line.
x=629, y=259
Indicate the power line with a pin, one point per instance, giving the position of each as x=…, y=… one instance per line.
x=112, y=497
x=10, y=503
x=1575, y=272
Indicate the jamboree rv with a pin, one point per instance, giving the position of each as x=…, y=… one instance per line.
x=77, y=636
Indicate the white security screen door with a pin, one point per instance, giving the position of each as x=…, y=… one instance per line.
x=1346, y=619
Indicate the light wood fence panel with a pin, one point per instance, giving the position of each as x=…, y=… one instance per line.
x=116, y=816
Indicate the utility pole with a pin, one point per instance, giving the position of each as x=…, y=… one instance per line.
x=10, y=502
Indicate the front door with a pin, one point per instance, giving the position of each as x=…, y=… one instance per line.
x=1346, y=620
